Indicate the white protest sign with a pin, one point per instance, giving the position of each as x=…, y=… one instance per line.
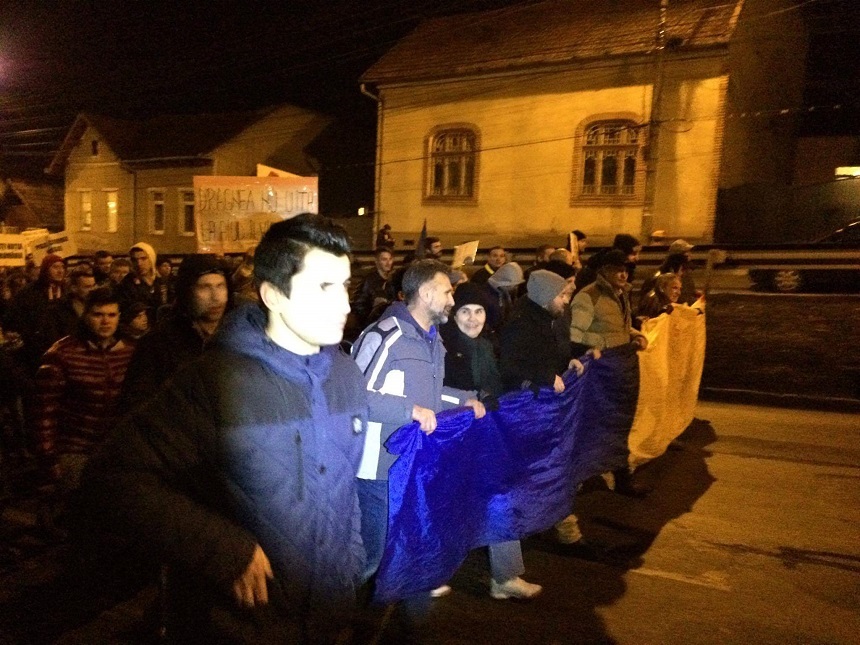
x=13, y=250
x=465, y=254
x=233, y=213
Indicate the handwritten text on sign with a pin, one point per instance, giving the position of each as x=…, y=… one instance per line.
x=233, y=213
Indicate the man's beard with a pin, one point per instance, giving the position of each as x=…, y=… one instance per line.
x=440, y=318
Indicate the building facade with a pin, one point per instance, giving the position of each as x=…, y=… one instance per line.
x=132, y=181
x=517, y=125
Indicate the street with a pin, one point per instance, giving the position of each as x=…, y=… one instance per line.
x=750, y=535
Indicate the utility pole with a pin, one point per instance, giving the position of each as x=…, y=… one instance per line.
x=652, y=142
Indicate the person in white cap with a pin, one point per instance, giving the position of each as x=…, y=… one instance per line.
x=689, y=295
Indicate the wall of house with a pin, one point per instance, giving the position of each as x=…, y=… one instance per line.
x=817, y=158
x=528, y=168
x=172, y=182
x=98, y=174
x=277, y=140
x=766, y=62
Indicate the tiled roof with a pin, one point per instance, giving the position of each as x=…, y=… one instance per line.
x=169, y=136
x=41, y=204
x=553, y=32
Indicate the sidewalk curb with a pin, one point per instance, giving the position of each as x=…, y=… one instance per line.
x=775, y=399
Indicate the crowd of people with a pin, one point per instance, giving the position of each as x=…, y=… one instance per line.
x=214, y=423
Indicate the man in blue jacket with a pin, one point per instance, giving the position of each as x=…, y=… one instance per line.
x=240, y=472
x=403, y=361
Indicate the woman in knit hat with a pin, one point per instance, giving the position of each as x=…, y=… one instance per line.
x=470, y=363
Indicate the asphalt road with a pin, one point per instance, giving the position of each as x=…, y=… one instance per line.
x=750, y=536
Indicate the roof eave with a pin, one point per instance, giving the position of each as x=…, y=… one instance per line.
x=71, y=139
x=515, y=69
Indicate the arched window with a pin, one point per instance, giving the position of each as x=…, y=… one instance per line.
x=452, y=164
x=610, y=154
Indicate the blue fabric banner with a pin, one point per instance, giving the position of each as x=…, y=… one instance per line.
x=504, y=477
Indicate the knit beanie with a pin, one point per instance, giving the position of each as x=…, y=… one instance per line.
x=470, y=293
x=507, y=275
x=544, y=286
x=47, y=262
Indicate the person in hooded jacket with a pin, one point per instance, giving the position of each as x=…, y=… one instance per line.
x=143, y=284
x=185, y=328
x=33, y=311
x=240, y=472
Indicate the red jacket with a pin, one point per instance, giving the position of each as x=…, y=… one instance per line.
x=77, y=389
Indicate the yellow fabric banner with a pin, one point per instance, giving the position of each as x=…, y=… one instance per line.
x=669, y=374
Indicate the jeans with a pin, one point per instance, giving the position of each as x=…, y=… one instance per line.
x=506, y=561
x=373, y=502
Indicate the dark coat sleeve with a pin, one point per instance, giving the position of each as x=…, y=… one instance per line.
x=527, y=357
x=154, y=485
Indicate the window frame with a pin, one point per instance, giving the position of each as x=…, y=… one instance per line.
x=601, y=150
x=115, y=224
x=85, y=222
x=180, y=223
x=447, y=129
x=153, y=202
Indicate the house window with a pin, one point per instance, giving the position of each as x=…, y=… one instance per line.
x=156, y=209
x=86, y=197
x=112, y=212
x=609, y=157
x=95, y=147
x=452, y=165
x=186, y=220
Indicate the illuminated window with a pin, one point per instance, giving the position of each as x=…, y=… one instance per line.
x=86, y=197
x=452, y=165
x=156, y=209
x=112, y=212
x=610, y=155
x=186, y=219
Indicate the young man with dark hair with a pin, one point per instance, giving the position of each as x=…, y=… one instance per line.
x=183, y=331
x=432, y=248
x=496, y=257
x=376, y=289
x=102, y=261
x=240, y=472
x=77, y=388
x=119, y=268
x=143, y=284
x=66, y=314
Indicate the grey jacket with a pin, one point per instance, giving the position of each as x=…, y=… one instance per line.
x=600, y=318
x=403, y=366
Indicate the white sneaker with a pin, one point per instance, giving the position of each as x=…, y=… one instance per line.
x=514, y=588
x=438, y=592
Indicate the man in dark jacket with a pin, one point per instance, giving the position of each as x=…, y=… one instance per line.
x=532, y=355
x=143, y=284
x=240, y=473
x=376, y=288
x=496, y=257
x=202, y=297
x=33, y=311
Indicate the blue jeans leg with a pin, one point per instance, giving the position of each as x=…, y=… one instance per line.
x=506, y=561
x=373, y=502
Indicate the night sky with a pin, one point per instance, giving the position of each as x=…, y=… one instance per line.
x=134, y=59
